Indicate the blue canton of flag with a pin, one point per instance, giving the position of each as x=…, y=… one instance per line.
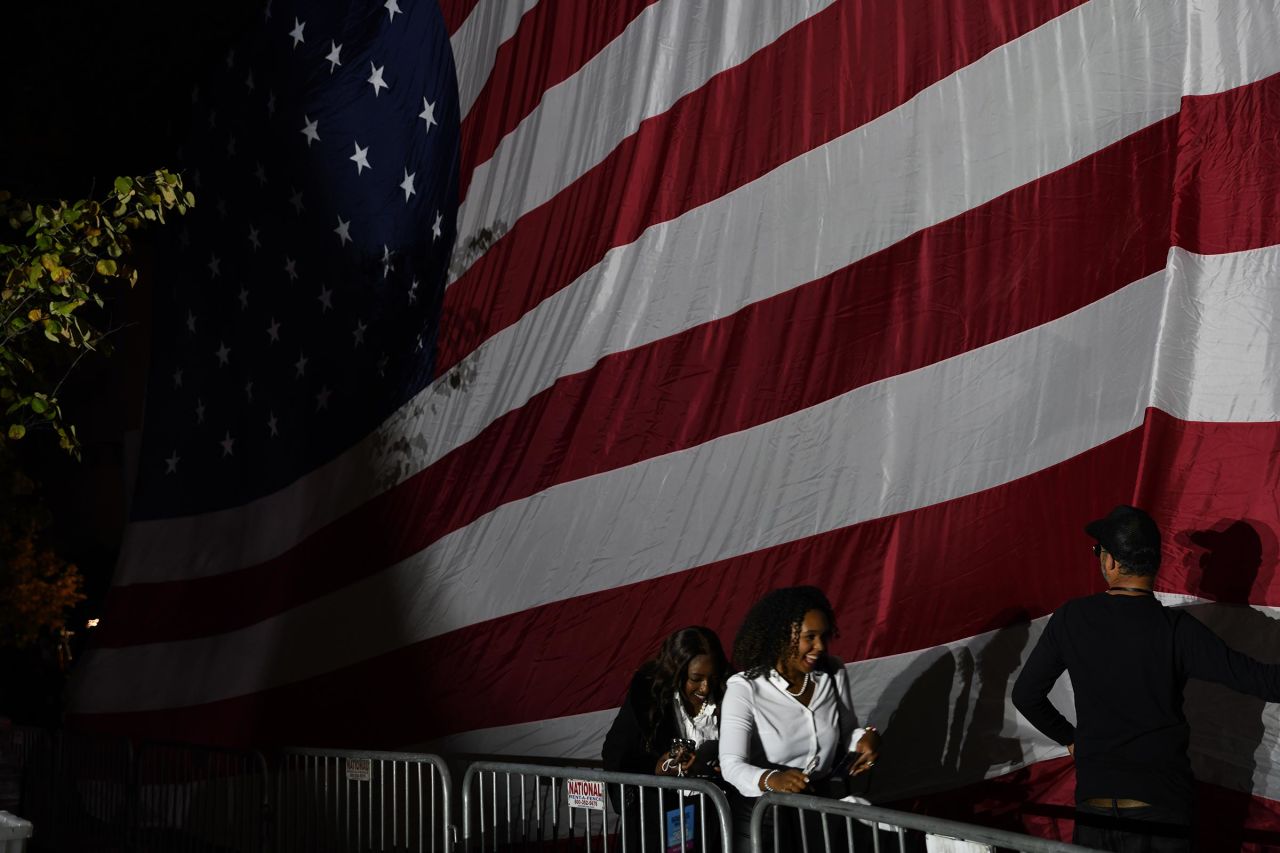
x=299, y=305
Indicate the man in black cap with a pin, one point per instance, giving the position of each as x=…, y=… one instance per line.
x=1129, y=657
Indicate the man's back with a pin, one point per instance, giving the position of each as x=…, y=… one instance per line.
x=1129, y=658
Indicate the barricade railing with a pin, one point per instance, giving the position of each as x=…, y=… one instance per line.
x=796, y=823
x=76, y=792
x=508, y=806
x=338, y=800
x=17, y=745
x=196, y=798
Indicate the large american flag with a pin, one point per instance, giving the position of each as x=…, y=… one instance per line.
x=886, y=297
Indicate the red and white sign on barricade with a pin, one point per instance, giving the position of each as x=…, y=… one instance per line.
x=585, y=794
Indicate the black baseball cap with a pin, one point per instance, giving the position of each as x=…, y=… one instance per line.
x=1131, y=536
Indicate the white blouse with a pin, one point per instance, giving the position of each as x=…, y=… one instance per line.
x=699, y=728
x=763, y=726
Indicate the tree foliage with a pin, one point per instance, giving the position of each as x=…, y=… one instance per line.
x=37, y=587
x=54, y=260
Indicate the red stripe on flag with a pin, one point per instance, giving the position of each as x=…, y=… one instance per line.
x=1218, y=210
x=552, y=43
x=1038, y=253
x=788, y=100
x=456, y=12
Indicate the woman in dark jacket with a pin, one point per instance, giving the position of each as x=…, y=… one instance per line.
x=675, y=695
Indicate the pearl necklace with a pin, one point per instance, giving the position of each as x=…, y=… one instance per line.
x=804, y=685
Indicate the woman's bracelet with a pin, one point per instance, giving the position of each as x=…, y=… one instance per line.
x=766, y=784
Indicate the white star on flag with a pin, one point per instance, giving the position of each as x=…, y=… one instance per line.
x=360, y=158
x=291, y=268
x=435, y=226
x=273, y=331
x=387, y=265
x=171, y=464
x=301, y=364
x=223, y=353
x=261, y=174
x=392, y=8
x=358, y=332
x=428, y=113
x=407, y=184
x=271, y=425
x=296, y=201
x=343, y=231
x=215, y=266
x=334, y=55
x=177, y=378
x=244, y=297
x=253, y=238
x=199, y=410
x=227, y=444
x=296, y=33
x=375, y=79
x=191, y=322
x=322, y=399
x=309, y=130
x=326, y=298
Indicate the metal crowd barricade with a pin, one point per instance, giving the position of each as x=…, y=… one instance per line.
x=17, y=745
x=76, y=792
x=521, y=806
x=199, y=798
x=829, y=825
x=339, y=800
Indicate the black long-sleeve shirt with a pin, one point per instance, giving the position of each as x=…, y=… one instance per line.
x=1129, y=658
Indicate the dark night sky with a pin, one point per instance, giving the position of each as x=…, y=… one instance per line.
x=95, y=89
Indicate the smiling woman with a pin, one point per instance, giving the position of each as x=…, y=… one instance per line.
x=674, y=697
x=670, y=721
x=788, y=722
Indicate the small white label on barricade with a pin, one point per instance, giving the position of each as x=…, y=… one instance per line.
x=359, y=769
x=584, y=794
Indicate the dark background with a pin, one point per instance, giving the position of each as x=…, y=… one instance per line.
x=92, y=90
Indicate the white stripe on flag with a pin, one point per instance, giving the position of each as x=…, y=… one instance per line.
x=680, y=44
x=966, y=424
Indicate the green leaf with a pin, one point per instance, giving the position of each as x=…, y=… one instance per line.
x=38, y=406
x=124, y=185
x=105, y=267
x=17, y=431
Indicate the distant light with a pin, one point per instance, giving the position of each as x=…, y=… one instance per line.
x=92, y=623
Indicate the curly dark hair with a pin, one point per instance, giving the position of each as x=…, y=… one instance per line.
x=670, y=668
x=768, y=632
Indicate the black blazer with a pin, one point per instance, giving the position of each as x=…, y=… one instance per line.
x=624, y=748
